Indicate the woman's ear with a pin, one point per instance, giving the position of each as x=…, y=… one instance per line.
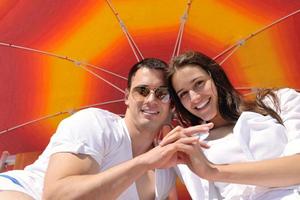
x=126, y=97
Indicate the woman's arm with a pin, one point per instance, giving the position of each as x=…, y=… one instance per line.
x=278, y=172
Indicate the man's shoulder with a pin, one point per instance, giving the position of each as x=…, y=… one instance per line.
x=96, y=112
x=90, y=123
x=104, y=125
x=92, y=118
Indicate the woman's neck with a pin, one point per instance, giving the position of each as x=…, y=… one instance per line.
x=220, y=132
x=219, y=121
x=221, y=128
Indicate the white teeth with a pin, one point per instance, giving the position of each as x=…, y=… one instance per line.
x=202, y=104
x=150, y=112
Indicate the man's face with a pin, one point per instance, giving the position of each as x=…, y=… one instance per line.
x=147, y=110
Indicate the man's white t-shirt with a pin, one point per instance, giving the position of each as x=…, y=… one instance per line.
x=94, y=132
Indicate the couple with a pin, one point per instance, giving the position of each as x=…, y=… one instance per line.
x=251, y=151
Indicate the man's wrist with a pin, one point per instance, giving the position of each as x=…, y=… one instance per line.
x=143, y=163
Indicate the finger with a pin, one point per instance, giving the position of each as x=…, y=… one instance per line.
x=171, y=149
x=203, y=144
x=162, y=133
x=173, y=135
x=203, y=128
x=168, y=151
x=173, y=131
x=187, y=149
x=180, y=132
x=210, y=125
x=166, y=129
x=188, y=140
x=192, y=141
x=177, y=138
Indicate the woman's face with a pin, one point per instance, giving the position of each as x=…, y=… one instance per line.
x=197, y=92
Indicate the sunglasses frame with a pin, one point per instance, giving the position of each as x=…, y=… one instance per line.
x=138, y=95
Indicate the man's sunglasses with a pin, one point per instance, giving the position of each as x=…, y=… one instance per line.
x=139, y=93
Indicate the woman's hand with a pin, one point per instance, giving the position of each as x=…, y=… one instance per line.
x=187, y=145
x=180, y=132
x=168, y=155
x=197, y=161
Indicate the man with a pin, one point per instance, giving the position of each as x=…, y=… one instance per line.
x=95, y=154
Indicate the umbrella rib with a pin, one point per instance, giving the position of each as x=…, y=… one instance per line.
x=241, y=42
x=177, y=40
x=253, y=90
x=180, y=40
x=70, y=111
x=230, y=54
x=103, y=79
x=60, y=57
x=107, y=71
x=181, y=29
x=132, y=47
x=272, y=24
x=138, y=54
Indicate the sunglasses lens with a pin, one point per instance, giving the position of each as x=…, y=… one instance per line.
x=162, y=94
x=141, y=92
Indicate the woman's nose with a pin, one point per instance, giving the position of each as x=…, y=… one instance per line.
x=193, y=95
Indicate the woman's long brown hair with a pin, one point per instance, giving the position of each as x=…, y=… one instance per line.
x=230, y=102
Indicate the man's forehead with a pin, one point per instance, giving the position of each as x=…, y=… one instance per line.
x=144, y=72
x=146, y=76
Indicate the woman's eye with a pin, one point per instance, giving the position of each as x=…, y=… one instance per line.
x=198, y=84
x=182, y=95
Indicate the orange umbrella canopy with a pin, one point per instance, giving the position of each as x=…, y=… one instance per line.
x=60, y=56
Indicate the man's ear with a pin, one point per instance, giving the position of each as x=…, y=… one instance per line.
x=126, y=96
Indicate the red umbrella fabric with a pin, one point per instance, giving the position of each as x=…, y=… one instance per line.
x=60, y=56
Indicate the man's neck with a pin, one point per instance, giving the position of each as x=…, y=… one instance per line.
x=141, y=137
x=141, y=144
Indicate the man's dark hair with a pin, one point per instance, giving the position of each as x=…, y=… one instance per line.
x=150, y=63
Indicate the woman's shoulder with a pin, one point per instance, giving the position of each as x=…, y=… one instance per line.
x=288, y=96
x=280, y=97
x=286, y=91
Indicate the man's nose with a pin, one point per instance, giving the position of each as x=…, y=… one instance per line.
x=151, y=97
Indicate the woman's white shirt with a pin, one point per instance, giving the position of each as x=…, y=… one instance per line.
x=255, y=137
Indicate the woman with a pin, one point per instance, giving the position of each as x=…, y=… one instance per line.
x=254, y=144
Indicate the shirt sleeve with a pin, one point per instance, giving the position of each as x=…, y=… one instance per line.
x=290, y=114
x=82, y=133
x=260, y=137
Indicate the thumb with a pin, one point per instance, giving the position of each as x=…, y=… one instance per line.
x=165, y=129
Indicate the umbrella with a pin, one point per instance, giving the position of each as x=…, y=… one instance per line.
x=60, y=56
